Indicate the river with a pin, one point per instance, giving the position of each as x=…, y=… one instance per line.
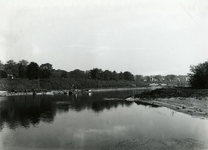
x=88, y=122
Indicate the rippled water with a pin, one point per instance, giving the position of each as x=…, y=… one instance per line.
x=89, y=122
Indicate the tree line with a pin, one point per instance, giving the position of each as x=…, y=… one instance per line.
x=24, y=69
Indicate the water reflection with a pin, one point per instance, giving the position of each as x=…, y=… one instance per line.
x=99, y=106
x=89, y=122
x=147, y=104
x=27, y=111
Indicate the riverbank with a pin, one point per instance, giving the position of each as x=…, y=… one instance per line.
x=122, y=89
x=76, y=91
x=65, y=83
x=186, y=100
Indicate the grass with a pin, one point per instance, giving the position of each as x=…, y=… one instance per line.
x=173, y=92
x=63, y=83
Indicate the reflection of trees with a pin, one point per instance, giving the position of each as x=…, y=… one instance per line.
x=146, y=104
x=98, y=106
x=27, y=111
x=96, y=102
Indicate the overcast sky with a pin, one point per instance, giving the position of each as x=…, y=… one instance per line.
x=140, y=36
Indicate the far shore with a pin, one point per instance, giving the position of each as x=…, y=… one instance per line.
x=121, y=89
x=55, y=92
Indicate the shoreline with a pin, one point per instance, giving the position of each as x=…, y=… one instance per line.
x=190, y=106
x=123, y=89
x=93, y=90
x=193, y=102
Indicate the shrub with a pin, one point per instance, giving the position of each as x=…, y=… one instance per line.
x=199, y=76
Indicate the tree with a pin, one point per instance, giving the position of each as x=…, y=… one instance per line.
x=96, y=73
x=139, y=78
x=87, y=74
x=170, y=77
x=59, y=73
x=121, y=76
x=128, y=76
x=199, y=76
x=22, y=68
x=33, y=70
x=46, y=70
x=106, y=75
x=11, y=67
x=64, y=74
x=114, y=75
x=76, y=74
x=1, y=65
x=159, y=78
x=3, y=74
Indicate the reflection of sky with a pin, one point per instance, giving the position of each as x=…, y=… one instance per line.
x=86, y=129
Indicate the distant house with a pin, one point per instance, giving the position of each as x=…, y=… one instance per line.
x=157, y=78
x=4, y=74
x=146, y=78
x=10, y=76
x=162, y=84
x=153, y=84
x=133, y=85
x=182, y=80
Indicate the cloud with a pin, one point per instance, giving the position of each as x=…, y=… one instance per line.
x=81, y=134
x=130, y=35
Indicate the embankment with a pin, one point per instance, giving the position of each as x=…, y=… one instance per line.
x=190, y=101
x=18, y=84
x=64, y=83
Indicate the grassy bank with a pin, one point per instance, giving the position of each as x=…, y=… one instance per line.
x=60, y=84
x=18, y=84
x=174, y=92
x=186, y=100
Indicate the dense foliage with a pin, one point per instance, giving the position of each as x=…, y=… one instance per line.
x=45, y=70
x=91, y=78
x=173, y=92
x=199, y=76
x=33, y=71
x=63, y=83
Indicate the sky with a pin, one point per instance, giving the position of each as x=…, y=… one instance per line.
x=144, y=37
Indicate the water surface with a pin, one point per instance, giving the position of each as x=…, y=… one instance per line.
x=88, y=122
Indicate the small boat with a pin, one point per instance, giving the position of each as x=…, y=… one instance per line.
x=87, y=91
x=70, y=92
x=34, y=93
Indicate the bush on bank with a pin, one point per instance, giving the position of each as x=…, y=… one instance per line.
x=198, y=78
